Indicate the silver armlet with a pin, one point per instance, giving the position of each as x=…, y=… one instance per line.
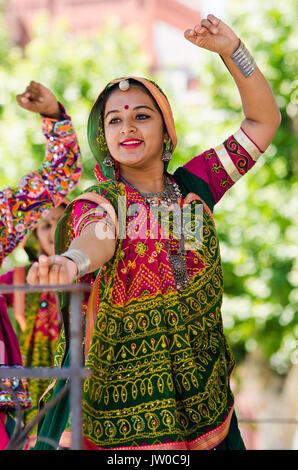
x=244, y=60
x=80, y=258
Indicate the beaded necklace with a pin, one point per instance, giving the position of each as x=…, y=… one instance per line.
x=169, y=199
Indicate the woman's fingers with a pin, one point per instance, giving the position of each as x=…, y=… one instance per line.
x=32, y=276
x=32, y=97
x=22, y=99
x=214, y=20
x=44, y=268
x=189, y=32
x=206, y=25
x=33, y=92
x=199, y=29
x=214, y=35
x=63, y=276
x=52, y=270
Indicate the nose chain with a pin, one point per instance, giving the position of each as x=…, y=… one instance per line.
x=169, y=199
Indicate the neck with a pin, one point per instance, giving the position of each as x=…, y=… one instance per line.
x=146, y=181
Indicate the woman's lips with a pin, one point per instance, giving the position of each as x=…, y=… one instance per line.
x=131, y=143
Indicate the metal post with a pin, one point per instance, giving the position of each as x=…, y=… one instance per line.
x=76, y=373
x=75, y=368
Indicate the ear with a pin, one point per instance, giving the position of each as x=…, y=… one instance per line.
x=166, y=137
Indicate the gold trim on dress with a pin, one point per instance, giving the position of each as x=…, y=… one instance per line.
x=207, y=441
x=247, y=144
x=227, y=162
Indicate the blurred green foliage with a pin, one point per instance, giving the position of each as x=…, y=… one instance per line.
x=75, y=68
x=256, y=220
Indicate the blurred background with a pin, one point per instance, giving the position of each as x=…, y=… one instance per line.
x=74, y=47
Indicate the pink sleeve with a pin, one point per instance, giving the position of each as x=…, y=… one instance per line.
x=86, y=212
x=222, y=166
x=82, y=215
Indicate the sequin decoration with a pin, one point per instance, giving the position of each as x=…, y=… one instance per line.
x=39, y=191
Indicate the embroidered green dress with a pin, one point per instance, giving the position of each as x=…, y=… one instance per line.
x=160, y=361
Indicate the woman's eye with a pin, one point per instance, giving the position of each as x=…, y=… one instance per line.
x=139, y=117
x=114, y=120
x=142, y=116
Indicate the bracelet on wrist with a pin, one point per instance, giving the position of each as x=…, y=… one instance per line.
x=243, y=59
x=81, y=259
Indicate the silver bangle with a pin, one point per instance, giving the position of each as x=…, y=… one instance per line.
x=81, y=259
x=244, y=60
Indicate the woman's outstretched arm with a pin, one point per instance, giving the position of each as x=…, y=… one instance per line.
x=262, y=116
x=59, y=269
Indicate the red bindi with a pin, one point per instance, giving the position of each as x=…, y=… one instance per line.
x=126, y=106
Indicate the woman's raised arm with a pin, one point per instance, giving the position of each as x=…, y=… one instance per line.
x=41, y=190
x=262, y=116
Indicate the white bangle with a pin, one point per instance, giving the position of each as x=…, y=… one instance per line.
x=81, y=259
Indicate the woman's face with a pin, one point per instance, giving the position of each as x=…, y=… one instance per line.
x=45, y=231
x=134, y=129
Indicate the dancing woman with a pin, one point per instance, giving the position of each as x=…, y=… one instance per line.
x=21, y=209
x=153, y=334
x=37, y=314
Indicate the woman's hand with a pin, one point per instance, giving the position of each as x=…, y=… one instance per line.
x=52, y=270
x=39, y=99
x=214, y=35
x=262, y=117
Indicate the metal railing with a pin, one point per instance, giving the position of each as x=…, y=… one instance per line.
x=75, y=372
